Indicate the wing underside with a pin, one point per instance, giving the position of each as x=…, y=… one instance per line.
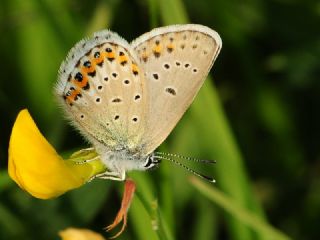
x=176, y=61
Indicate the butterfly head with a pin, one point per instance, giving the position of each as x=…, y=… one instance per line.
x=125, y=159
x=151, y=162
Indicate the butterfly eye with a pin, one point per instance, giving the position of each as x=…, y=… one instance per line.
x=151, y=162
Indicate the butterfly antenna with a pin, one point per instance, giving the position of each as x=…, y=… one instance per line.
x=210, y=179
x=206, y=161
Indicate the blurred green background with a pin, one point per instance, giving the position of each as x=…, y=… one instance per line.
x=259, y=119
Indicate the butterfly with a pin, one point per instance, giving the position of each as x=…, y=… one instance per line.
x=126, y=98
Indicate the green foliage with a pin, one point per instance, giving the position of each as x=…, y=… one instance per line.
x=259, y=119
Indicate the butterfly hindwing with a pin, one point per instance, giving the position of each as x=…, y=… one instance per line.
x=101, y=87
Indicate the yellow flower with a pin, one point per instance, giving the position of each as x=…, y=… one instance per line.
x=38, y=169
x=36, y=166
x=79, y=234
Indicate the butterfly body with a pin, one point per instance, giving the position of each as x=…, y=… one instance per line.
x=126, y=98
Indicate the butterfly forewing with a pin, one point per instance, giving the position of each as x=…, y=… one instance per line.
x=101, y=87
x=176, y=61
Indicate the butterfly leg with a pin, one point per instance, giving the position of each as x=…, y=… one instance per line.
x=85, y=150
x=87, y=160
x=118, y=176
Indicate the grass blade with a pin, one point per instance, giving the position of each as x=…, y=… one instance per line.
x=237, y=211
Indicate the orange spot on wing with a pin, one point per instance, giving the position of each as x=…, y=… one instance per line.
x=170, y=46
x=144, y=56
x=83, y=82
x=157, y=49
x=123, y=59
x=73, y=95
x=98, y=60
x=90, y=69
x=135, y=68
x=110, y=55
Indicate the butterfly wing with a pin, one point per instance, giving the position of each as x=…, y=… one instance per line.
x=101, y=87
x=176, y=60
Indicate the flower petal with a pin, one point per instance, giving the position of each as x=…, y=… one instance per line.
x=79, y=234
x=37, y=168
